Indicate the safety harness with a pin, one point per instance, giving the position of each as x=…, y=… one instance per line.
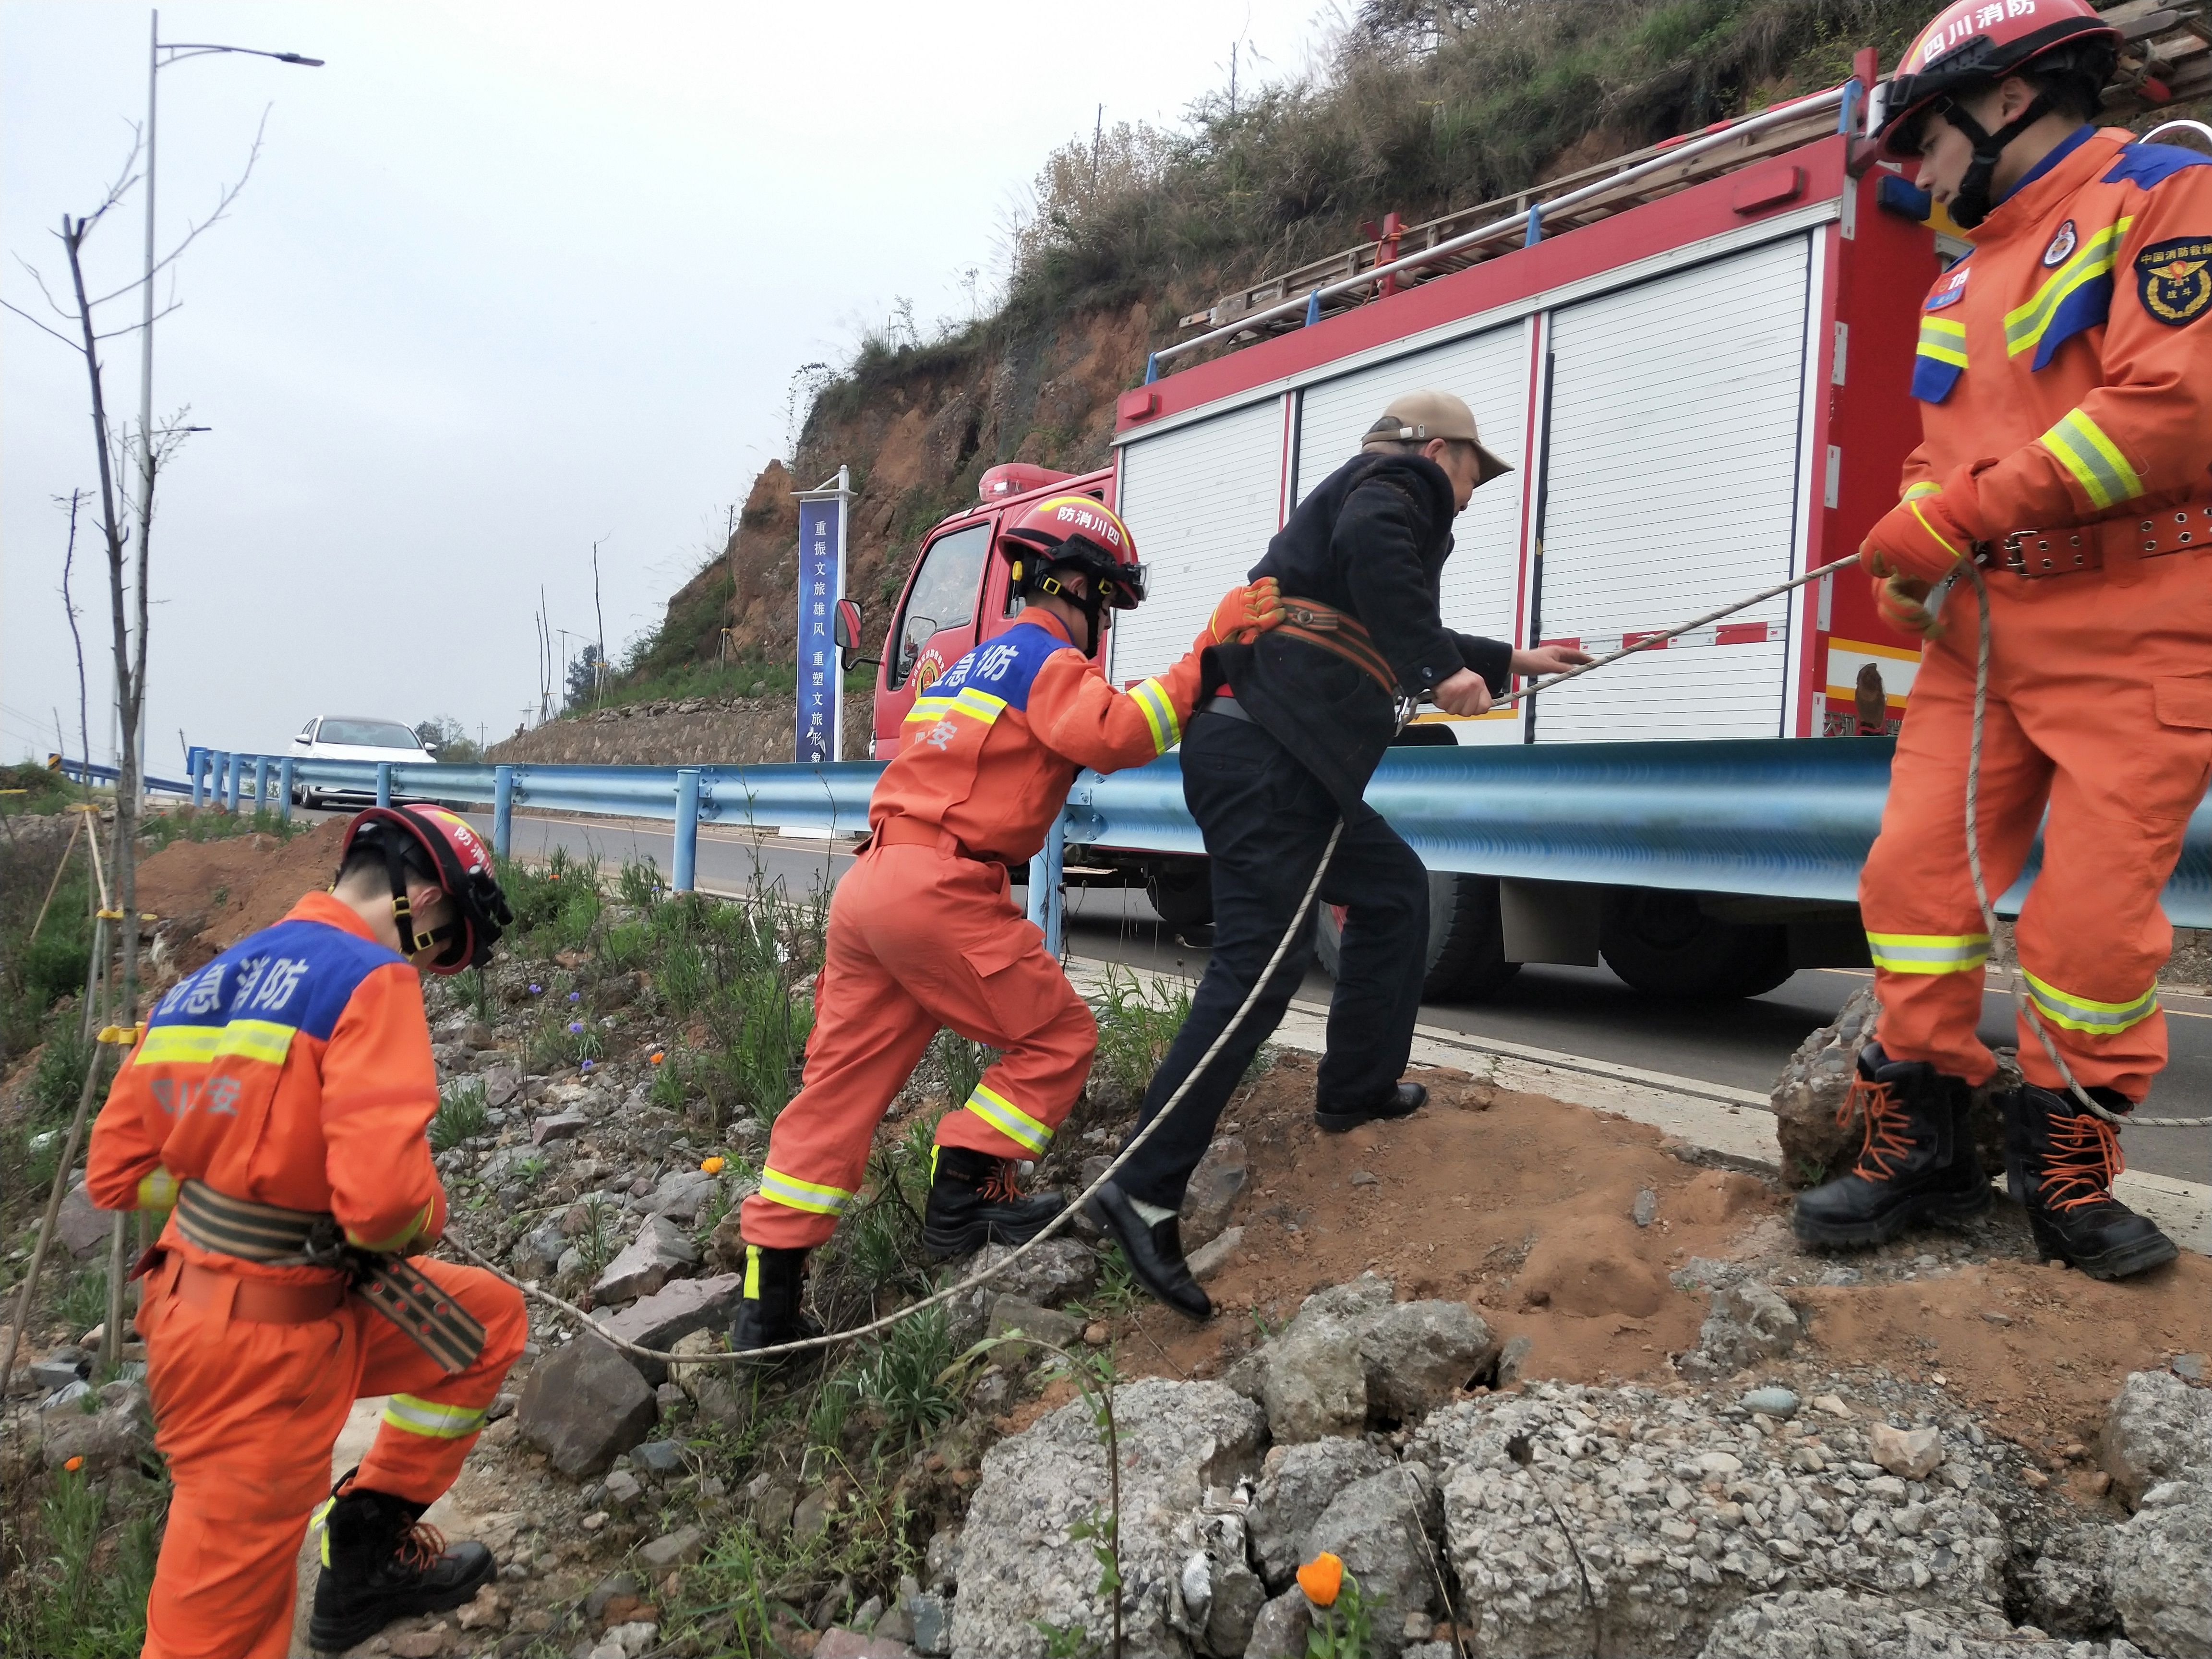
x=1338, y=633
x=276, y=1237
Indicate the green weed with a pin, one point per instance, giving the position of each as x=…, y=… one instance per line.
x=596, y=1243
x=960, y=1063
x=902, y=1381
x=81, y=1593
x=83, y=1302
x=462, y=1114
x=1137, y=1021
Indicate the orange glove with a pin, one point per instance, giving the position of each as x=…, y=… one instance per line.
x=1926, y=536
x=1243, y=613
x=1903, y=603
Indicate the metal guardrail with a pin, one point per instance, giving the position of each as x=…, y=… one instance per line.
x=1766, y=819
x=79, y=771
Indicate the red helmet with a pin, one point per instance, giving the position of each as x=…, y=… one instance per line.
x=1974, y=42
x=462, y=864
x=1077, y=531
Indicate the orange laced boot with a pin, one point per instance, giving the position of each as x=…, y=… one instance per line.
x=1916, y=1163
x=2060, y=1164
x=974, y=1201
x=381, y=1563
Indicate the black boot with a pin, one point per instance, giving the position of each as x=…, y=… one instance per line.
x=2060, y=1163
x=972, y=1202
x=770, y=1310
x=380, y=1563
x=1403, y=1100
x=1918, y=1163
x=1153, y=1250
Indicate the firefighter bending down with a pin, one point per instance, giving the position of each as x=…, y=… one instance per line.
x=278, y=1100
x=922, y=931
x=2065, y=380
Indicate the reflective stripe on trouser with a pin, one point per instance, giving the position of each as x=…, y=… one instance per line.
x=918, y=941
x=2091, y=682
x=247, y=1414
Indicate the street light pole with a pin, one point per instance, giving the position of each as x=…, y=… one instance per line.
x=154, y=67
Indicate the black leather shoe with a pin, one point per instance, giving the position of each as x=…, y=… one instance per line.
x=1153, y=1251
x=1403, y=1100
x=972, y=1202
x=380, y=1563
x=771, y=1309
x=2059, y=1162
x=1916, y=1163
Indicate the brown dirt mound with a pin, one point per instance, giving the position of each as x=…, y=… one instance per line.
x=1522, y=1207
x=211, y=894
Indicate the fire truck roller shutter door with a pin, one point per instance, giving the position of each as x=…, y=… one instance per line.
x=1200, y=501
x=1482, y=584
x=1672, y=485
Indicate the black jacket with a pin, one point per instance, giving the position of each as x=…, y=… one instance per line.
x=1371, y=539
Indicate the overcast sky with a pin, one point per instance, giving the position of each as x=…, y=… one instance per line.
x=506, y=278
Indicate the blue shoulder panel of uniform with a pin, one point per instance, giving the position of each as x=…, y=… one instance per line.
x=300, y=974
x=2085, y=307
x=1003, y=666
x=1932, y=380
x=2146, y=165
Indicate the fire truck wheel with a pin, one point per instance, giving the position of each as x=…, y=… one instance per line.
x=1181, y=890
x=1664, y=946
x=1466, y=940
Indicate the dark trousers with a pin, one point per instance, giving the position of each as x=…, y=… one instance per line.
x=1266, y=819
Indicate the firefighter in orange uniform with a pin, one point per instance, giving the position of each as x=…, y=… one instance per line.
x=278, y=1100
x=2065, y=381
x=922, y=932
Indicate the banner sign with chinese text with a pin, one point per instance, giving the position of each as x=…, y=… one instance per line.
x=820, y=585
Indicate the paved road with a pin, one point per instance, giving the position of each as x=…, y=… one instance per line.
x=1578, y=1011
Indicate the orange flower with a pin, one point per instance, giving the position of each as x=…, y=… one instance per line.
x=74, y=1465
x=658, y=1057
x=1321, y=1579
x=711, y=1165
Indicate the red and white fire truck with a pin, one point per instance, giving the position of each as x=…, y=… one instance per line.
x=1697, y=358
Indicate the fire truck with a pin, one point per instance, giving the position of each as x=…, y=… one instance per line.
x=1697, y=357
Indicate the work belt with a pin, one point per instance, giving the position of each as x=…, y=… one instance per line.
x=2038, y=553
x=276, y=1237
x=1335, y=631
x=913, y=832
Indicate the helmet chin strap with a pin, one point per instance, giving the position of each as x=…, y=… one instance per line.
x=1971, y=204
x=411, y=943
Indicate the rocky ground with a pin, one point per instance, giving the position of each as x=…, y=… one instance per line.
x=1546, y=1382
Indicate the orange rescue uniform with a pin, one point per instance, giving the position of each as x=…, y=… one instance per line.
x=923, y=933
x=2065, y=374
x=294, y=1070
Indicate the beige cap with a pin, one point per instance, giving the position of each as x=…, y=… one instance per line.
x=1418, y=416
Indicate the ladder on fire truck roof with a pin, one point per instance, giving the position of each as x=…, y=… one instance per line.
x=2166, y=58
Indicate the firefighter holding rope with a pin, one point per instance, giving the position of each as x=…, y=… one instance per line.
x=2064, y=377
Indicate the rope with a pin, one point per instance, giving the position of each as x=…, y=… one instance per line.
x=2023, y=1007
x=1297, y=922
x=834, y=1338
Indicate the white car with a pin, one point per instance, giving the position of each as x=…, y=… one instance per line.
x=354, y=737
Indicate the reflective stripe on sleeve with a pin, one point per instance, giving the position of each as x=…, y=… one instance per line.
x=1943, y=340
x=1928, y=953
x=1008, y=1119
x=429, y=1418
x=1914, y=492
x=812, y=1197
x=405, y=1236
x=1152, y=697
x=158, y=1191
x=2094, y=459
x=2078, y=1013
x=976, y=705
x=200, y=1045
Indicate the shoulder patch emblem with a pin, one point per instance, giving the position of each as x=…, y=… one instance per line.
x=2061, y=247
x=2175, y=279
x=1949, y=289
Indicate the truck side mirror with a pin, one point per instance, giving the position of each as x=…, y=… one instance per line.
x=845, y=629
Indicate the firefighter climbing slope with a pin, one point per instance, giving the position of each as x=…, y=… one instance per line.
x=2064, y=377
x=279, y=1099
x=922, y=933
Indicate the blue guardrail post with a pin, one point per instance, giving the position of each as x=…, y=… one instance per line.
x=218, y=777
x=1044, y=902
x=284, y=789
x=237, y=781
x=261, y=784
x=383, y=783
x=687, y=830
x=502, y=809
x=201, y=764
